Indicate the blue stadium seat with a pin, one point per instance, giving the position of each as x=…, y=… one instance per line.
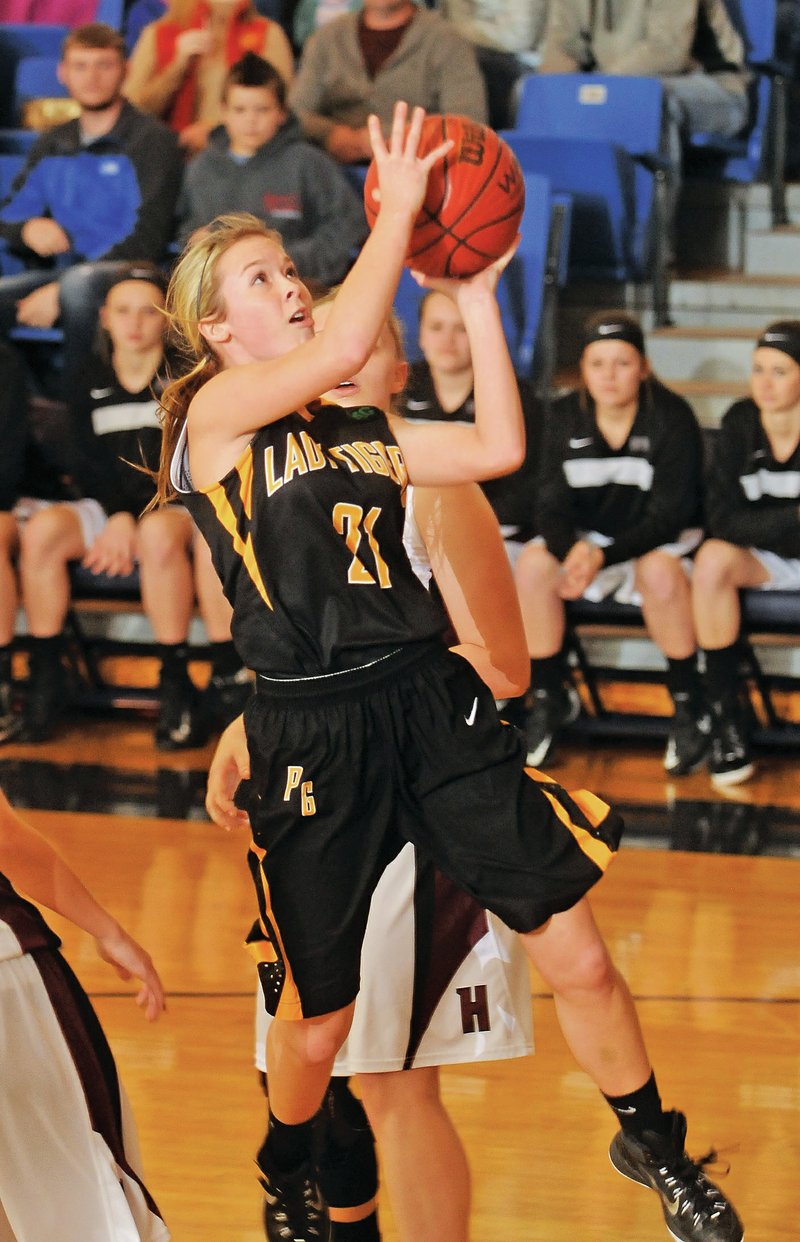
x=759, y=154
x=35, y=77
x=598, y=138
x=527, y=290
x=17, y=42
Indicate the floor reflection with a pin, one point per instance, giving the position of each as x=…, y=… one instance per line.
x=723, y=827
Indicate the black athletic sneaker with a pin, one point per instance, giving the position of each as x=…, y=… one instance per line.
x=10, y=720
x=180, y=719
x=294, y=1209
x=44, y=702
x=688, y=741
x=730, y=761
x=695, y=1210
x=225, y=698
x=549, y=714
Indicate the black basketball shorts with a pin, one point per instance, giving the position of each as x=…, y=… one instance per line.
x=347, y=767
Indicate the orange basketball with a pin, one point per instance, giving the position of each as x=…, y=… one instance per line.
x=474, y=200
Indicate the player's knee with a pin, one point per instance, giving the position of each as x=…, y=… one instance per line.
x=592, y=969
x=660, y=577
x=713, y=566
x=322, y=1039
x=536, y=568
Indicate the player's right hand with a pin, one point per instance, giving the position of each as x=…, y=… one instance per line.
x=229, y=767
x=131, y=961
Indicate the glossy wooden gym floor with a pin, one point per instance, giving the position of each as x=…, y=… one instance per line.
x=707, y=940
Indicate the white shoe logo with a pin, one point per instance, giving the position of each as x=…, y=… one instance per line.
x=470, y=719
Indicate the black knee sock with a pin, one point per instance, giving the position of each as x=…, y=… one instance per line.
x=547, y=673
x=683, y=682
x=289, y=1145
x=46, y=653
x=348, y=1170
x=174, y=659
x=225, y=659
x=722, y=673
x=641, y=1110
x=5, y=662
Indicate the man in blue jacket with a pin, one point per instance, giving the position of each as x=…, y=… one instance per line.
x=94, y=194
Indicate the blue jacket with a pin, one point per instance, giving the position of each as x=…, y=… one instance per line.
x=115, y=198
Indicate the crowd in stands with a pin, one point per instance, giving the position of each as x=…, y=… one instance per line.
x=222, y=108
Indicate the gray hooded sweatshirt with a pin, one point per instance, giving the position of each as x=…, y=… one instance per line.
x=292, y=186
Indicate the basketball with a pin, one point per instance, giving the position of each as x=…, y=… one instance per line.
x=474, y=200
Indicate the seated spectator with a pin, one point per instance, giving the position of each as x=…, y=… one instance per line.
x=506, y=35
x=441, y=387
x=309, y=15
x=618, y=508
x=364, y=62
x=93, y=195
x=178, y=66
x=14, y=438
x=114, y=428
x=259, y=162
x=754, y=532
x=691, y=45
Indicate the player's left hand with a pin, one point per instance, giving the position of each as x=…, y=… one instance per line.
x=581, y=566
x=463, y=290
x=114, y=550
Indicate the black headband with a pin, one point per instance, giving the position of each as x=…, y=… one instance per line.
x=615, y=330
x=781, y=337
x=148, y=275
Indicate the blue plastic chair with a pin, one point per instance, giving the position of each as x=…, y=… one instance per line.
x=598, y=138
x=758, y=154
x=527, y=290
x=36, y=78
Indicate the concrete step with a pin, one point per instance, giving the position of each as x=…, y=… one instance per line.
x=714, y=220
x=702, y=353
x=710, y=399
x=773, y=252
x=732, y=299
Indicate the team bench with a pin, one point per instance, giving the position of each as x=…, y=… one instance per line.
x=606, y=644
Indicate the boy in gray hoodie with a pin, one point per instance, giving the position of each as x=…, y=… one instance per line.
x=258, y=161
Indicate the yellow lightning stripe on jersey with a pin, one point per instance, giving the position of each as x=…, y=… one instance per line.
x=227, y=518
x=595, y=810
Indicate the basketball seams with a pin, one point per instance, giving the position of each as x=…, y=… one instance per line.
x=455, y=238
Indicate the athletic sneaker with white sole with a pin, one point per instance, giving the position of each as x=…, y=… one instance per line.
x=695, y=1210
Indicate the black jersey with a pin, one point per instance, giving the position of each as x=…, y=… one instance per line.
x=114, y=431
x=753, y=499
x=512, y=496
x=306, y=534
x=640, y=496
